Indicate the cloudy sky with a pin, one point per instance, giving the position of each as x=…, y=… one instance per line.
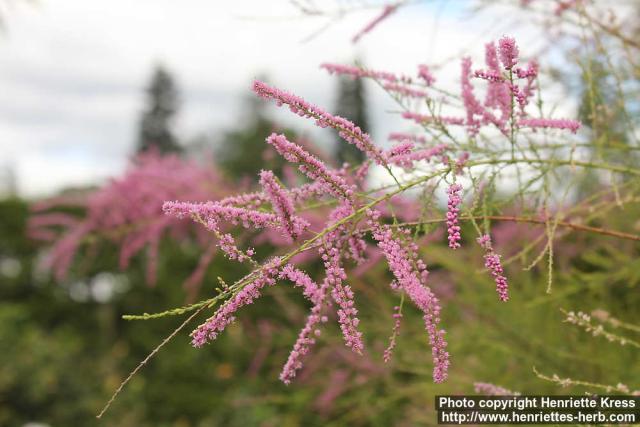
x=72, y=72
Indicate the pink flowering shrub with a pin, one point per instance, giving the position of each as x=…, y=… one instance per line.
x=442, y=170
x=355, y=221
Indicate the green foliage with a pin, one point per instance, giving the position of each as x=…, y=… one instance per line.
x=241, y=152
x=67, y=356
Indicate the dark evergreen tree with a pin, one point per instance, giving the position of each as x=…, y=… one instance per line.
x=156, y=122
x=351, y=105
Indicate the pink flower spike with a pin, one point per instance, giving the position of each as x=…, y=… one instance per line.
x=475, y=111
x=329, y=181
x=402, y=155
x=343, y=296
x=571, y=125
x=282, y=205
x=424, y=119
x=493, y=264
x=453, y=229
x=508, y=52
x=425, y=74
x=405, y=90
x=347, y=130
x=402, y=137
x=388, y=10
x=300, y=278
x=411, y=281
x=210, y=330
x=357, y=72
x=305, y=339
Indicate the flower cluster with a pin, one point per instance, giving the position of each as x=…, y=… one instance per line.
x=282, y=204
x=357, y=72
x=411, y=274
x=209, y=330
x=493, y=264
x=386, y=12
x=453, y=210
x=346, y=129
x=350, y=211
x=128, y=212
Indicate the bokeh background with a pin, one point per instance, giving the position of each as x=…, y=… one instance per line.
x=87, y=85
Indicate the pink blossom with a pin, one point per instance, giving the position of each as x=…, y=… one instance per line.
x=300, y=278
x=330, y=181
x=224, y=316
x=413, y=283
x=572, y=125
x=399, y=136
x=475, y=111
x=498, y=94
x=131, y=203
x=343, y=296
x=493, y=264
x=330, y=252
x=358, y=72
x=490, y=75
x=305, y=338
x=388, y=10
x=453, y=229
x=420, y=118
x=405, y=90
x=508, y=52
x=425, y=74
x=280, y=201
x=346, y=129
x=317, y=295
x=404, y=156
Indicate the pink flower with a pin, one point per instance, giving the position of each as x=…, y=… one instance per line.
x=281, y=203
x=317, y=295
x=399, y=136
x=412, y=281
x=224, y=316
x=508, y=52
x=571, y=125
x=328, y=180
x=475, y=111
x=493, y=264
x=405, y=156
x=358, y=72
x=330, y=252
x=305, y=338
x=425, y=74
x=346, y=129
x=453, y=229
x=405, y=90
x=388, y=10
x=498, y=94
x=422, y=119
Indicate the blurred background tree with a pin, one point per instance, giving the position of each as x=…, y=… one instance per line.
x=156, y=123
x=351, y=103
